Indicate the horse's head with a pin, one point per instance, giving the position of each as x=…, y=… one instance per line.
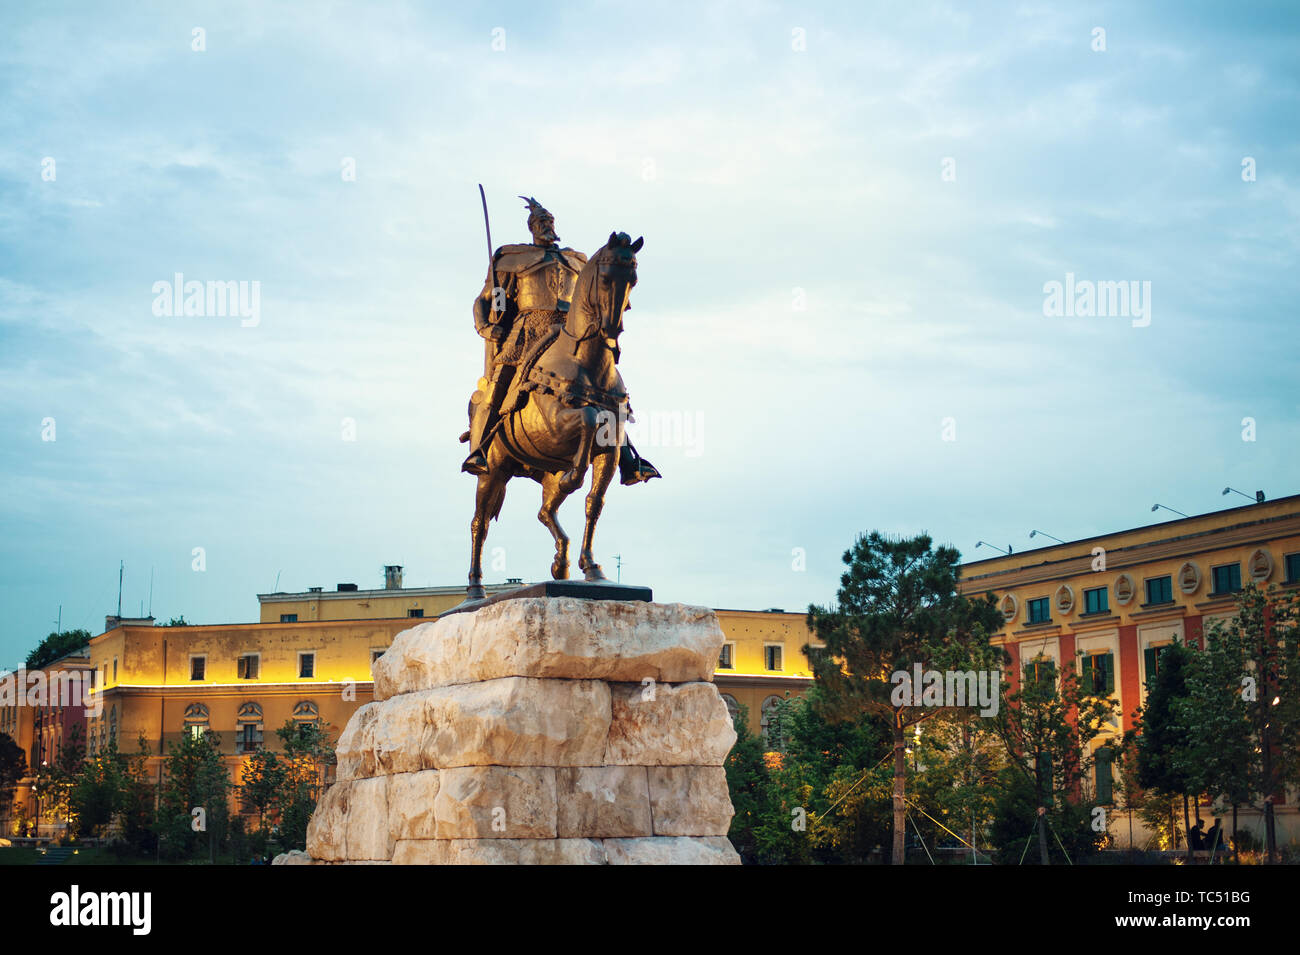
x=602, y=290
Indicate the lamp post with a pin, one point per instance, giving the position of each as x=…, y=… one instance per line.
x=1155, y=507
x=1033, y=534
x=1007, y=552
x=1257, y=499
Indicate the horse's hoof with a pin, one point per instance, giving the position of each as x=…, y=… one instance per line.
x=593, y=572
x=560, y=571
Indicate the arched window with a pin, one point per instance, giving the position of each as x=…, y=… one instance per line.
x=767, y=721
x=196, y=719
x=306, y=712
x=248, y=728
x=733, y=705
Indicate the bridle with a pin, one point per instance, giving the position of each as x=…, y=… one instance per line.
x=618, y=292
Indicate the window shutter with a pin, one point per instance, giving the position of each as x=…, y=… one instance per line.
x=1104, y=787
x=1108, y=662
x=1149, y=658
x=1086, y=674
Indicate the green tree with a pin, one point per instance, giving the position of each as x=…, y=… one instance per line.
x=55, y=780
x=308, y=749
x=13, y=766
x=1047, y=731
x=898, y=607
x=196, y=778
x=1163, y=745
x=1239, y=715
x=57, y=645
x=262, y=782
x=749, y=786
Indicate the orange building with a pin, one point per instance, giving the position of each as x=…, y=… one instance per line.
x=1110, y=603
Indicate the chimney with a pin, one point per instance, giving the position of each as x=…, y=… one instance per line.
x=392, y=576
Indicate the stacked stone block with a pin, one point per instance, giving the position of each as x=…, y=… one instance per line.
x=538, y=731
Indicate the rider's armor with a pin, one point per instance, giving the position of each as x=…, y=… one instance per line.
x=536, y=285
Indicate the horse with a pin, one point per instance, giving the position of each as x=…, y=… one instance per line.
x=571, y=421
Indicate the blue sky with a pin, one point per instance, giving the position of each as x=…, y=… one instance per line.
x=763, y=177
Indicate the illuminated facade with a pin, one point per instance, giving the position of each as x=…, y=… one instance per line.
x=1109, y=603
x=309, y=659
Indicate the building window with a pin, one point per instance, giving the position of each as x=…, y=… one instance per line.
x=1095, y=600
x=725, y=657
x=307, y=666
x=248, y=666
x=417, y=612
x=1160, y=590
x=306, y=712
x=248, y=728
x=196, y=719
x=1292, y=568
x=1152, y=656
x=1227, y=579
x=112, y=723
x=288, y=618
x=375, y=655
x=114, y=669
x=1040, y=672
x=733, y=706
x=772, y=656
x=198, y=668
x=1097, y=676
x=1040, y=610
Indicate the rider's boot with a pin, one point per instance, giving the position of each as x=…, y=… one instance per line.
x=484, y=420
x=632, y=468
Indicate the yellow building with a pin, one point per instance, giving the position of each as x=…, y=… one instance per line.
x=762, y=661
x=309, y=659
x=1109, y=603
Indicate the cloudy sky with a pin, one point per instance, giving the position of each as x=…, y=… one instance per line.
x=850, y=213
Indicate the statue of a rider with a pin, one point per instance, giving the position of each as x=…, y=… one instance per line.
x=521, y=309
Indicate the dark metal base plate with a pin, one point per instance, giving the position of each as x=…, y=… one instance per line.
x=583, y=589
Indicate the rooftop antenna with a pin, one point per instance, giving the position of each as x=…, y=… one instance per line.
x=619, y=570
x=59, y=622
x=120, y=568
x=276, y=588
x=151, y=591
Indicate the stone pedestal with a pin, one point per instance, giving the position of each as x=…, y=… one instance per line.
x=537, y=730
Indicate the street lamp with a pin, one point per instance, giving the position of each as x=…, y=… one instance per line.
x=1036, y=533
x=979, y=544
x=1258, y=498
x=1157, y=506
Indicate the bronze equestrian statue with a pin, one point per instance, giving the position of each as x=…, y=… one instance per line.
x=551, y=403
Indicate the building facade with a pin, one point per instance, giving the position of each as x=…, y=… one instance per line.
x=309, y=660
x=1108, y=604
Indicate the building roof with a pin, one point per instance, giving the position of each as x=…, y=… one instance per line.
x=1183, y=529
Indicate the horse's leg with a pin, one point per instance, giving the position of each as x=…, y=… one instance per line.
x=572, y=479
x=487, y=505
x=603, y=468
x=552, y=498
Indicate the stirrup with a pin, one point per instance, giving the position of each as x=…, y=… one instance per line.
x=476, y=464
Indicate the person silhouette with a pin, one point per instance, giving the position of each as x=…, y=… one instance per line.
x=1196, y=836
